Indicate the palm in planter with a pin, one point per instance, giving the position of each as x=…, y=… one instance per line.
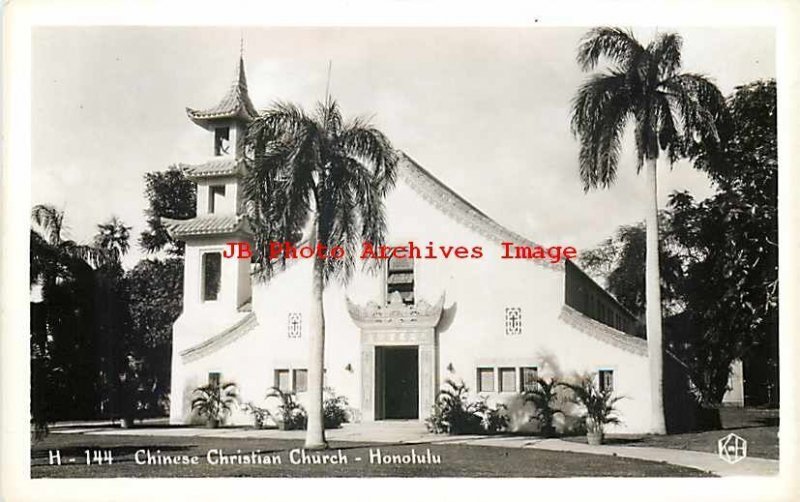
x=600, y=407
x=215, y=402
x=543, y=397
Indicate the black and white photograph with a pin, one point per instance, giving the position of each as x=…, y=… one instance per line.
x=373, y=251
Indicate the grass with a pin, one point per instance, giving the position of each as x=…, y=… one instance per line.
x=456, y=460
x=758, y=426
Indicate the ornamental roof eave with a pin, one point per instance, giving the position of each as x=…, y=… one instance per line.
x=396, y=314
x=214, y=168
x=207, y=226
x=207, y=118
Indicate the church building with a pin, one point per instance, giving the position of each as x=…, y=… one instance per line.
x=394, y=337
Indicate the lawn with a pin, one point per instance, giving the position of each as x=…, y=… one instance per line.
x=456, y=460
x=759, y=427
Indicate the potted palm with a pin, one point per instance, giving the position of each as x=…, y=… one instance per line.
x=543, y=396
x=215, y=402
x=599, y=404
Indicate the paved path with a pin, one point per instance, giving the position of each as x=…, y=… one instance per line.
x=413, y=432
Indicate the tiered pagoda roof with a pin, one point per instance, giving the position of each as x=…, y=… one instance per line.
x=217, y=167
x=235, y=104
x=207, y=224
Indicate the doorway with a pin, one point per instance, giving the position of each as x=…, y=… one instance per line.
x=397, y=385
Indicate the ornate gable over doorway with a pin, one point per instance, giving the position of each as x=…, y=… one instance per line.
x=396, y=324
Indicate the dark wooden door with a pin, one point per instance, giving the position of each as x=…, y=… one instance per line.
x=401, y=382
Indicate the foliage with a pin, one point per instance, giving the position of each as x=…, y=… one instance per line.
x=334, y=409
x=170, y=195
x=317, y=167
x=493, y=420
x=670, y=109
x=599, y=404
x=215, y=402
x=155, y=300
x=453, y=412
x=290, y=412
x=113, y=239
x=544, y=399
x=64, y=333
x=135, y=389
x=620, y=259
x=260, y=415
x=719, y=260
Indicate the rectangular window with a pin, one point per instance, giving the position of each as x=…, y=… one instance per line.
x=212, y=270
x=606, y=378
x=213, y=379
x=300, y=380
x=282, y=380
x=508, y=377
x=222, y=136
x=528, y=378
x=485, y=379
x=400, y=279
x=216, y=193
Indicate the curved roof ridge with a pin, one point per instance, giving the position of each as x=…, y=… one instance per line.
x=239, y=328
x=603, y=332
x=444, y=198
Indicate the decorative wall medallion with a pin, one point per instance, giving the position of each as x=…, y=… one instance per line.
x=513, y=320
x=295, y=325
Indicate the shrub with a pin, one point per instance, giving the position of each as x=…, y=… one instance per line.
x=291, y=414
x=495, y=419
x=260, y=415
x=544, y=397
x=453, y=413
x=215, y=402
x=334, y=409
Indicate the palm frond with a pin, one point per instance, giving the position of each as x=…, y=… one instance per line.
x=666, y=54
x=600, y=111
x=319, y=167
x=616, y=44
x=50, y=222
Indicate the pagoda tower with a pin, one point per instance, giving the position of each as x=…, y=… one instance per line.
x=213, y=283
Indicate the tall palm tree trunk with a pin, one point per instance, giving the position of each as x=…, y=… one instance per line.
x=315, y=433
x=655, y=349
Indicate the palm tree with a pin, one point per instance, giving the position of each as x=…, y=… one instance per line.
x=61, y=324
x=47, y=240
x=319, y=173
x=670, y=110
x=113, y=238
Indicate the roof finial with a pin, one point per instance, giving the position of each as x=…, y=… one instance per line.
x=241, y=43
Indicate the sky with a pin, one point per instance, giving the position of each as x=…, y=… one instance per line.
x=486, y=110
